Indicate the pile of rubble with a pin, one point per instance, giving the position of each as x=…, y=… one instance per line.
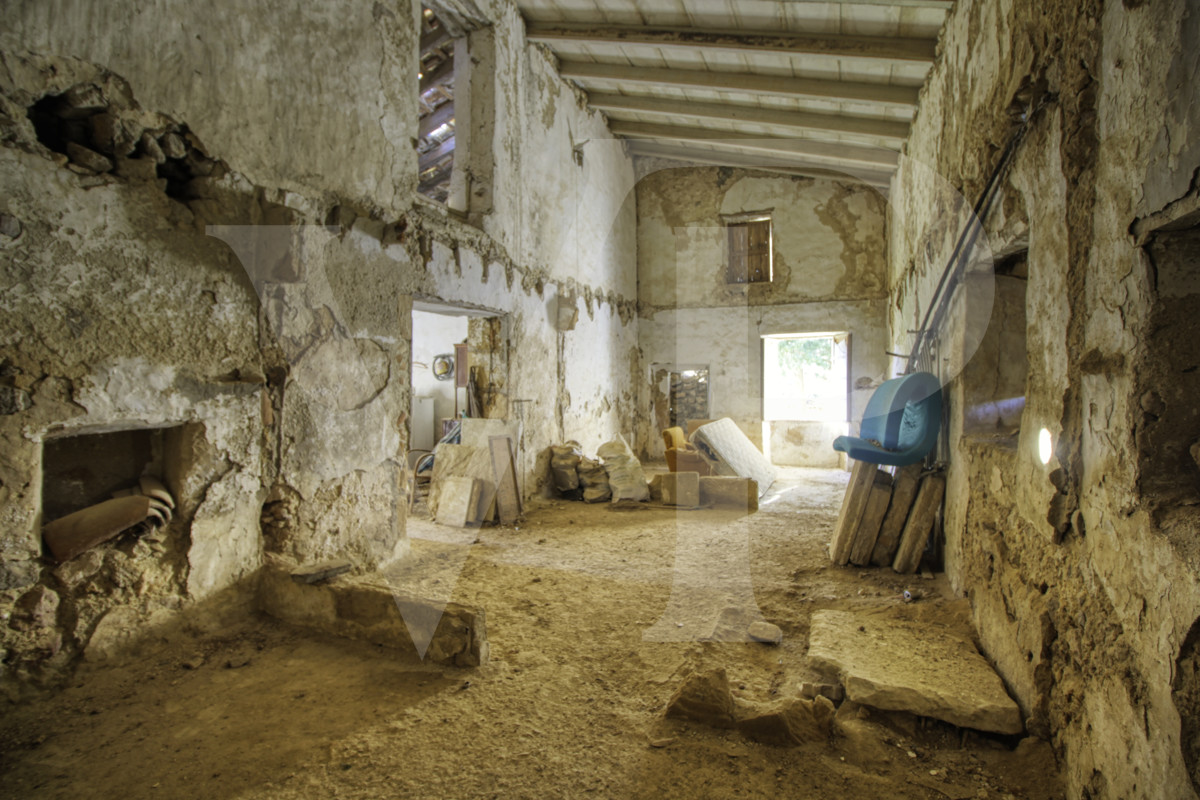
x=616, y=475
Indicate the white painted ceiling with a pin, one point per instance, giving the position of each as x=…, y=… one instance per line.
x=815, y=88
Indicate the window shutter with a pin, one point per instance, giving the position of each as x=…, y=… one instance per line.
x=739, y=253
x=758, y=256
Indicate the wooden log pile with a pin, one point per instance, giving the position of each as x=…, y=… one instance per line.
x=885, y=519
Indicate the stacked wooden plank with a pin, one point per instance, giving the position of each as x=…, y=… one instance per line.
x=886, y=520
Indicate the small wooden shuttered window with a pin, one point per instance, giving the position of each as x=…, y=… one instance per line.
x=749, y=251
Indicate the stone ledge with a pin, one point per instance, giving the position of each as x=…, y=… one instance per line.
x=365, y=607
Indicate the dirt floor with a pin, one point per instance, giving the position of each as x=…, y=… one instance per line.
x=595, y=616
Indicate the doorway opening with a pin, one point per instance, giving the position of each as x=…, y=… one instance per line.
x=805, y=396
x=459, y=369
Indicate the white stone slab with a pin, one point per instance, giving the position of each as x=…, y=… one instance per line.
x=917, y=666
x=730, y=452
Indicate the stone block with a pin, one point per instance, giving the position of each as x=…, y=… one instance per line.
x=88, y=159
x=731, y=492
x=137, y=169
x=172, y=145
x=902, y=664
x=681, y=489
x=453, y=460
x=366, y=608
x=81, y=101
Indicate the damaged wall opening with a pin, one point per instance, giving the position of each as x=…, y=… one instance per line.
x=994, y=377
x=82, y=471
x=445, y=385
x=689, y=396
x=436, y=134
x=1168, y=435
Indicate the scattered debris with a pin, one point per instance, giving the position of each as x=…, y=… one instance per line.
x=195, y=661
x=625, y=474
x=704, y=697
x=10, y=226
x=765, y=632
x=832, y=691
x=564, y=463
x=593, y=477
x=788, y=722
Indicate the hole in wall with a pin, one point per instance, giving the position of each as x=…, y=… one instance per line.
x=688, y=395
x=994, y=379
x=1168, y=378
x=52, y=130
x=84, y=469
x=1185, y=692
x=80, y=471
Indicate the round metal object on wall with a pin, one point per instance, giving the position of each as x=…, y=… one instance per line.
x=443, y=366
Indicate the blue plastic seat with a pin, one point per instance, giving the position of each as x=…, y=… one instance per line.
x=901, y=422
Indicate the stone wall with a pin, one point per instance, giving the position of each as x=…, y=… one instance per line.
x=231, y=261
x=829, y=277
x=1082, y=572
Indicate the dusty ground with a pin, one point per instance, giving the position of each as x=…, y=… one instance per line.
x=594, y=618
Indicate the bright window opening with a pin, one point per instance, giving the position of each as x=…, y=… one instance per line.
x=805, y=377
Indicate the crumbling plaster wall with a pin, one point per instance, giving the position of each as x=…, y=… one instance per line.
x=281, y=341
x=121, y=313
x=305, y=97
x=557, y=229
x=1083, y=586
x=829, y=276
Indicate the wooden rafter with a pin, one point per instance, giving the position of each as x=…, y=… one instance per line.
x=798, y=120
x=885, y=48
x=834, y=151
x=750, y=83
x=764, y=163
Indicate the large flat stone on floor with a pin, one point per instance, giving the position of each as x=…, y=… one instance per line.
x=730, y=452
x=900, y=664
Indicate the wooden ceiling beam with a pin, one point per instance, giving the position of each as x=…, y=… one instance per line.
x=429, y=158
x=442, y=74
x=436, y=119
x=886, y=48
x=780, y=118
x=941, y=5
x=749, y=83
x=835, y=151
x=434, y=39
x=763, y=164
